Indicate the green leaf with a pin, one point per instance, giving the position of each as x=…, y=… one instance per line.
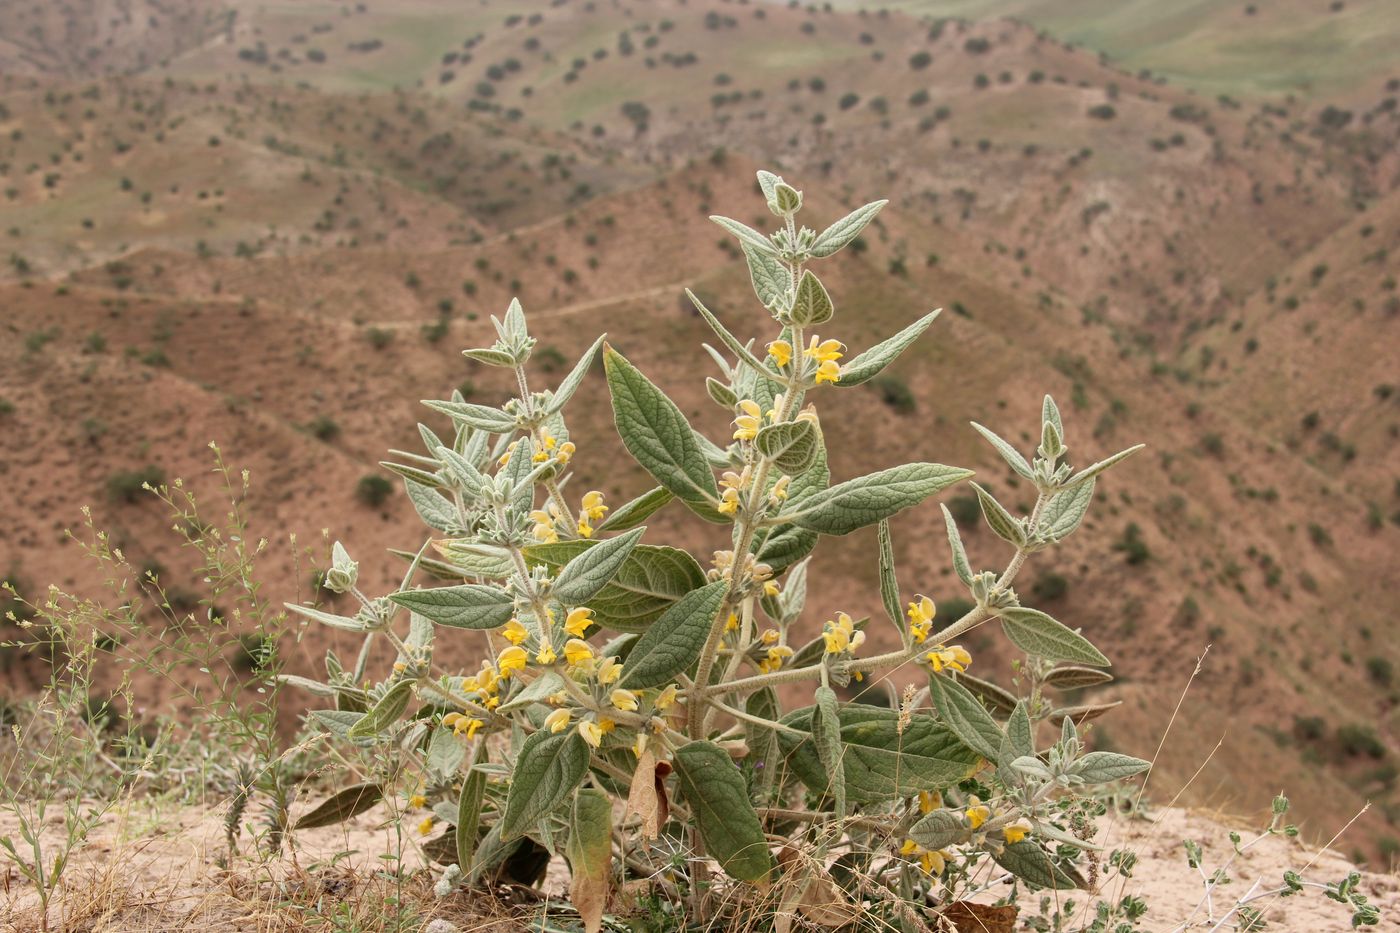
x=1050, y=414
x=467, y=605
x=1003, y=525
x=659, y=437
x=865, y=500
x=433, y=507
x=1065, y=511
x=1038, y=634
x=550, y=765
x=1008, y=453
x=940, y=829
x=826, y=733
x=574, y=379
x=384, y=713
x=866, y=366
x=771, y=279
x=966, y=716
x=747, y=235
x=764, y=751
x=1031, y=863
x=515, y=319
x=341, y=806
x=768, y=183
x=880, y=762
x=845, y=230
x=989, y=693
x=787, y=544
x=1075, y=678
x=721, y=394
x=889, y=585
x=812, y=306
x=538, y=690
x=589, y=851
x=674, y=641
x=649, y=581
x=753, y=363
x=326, y=618
x=632, y=514
x=470, y=559
x=1102, y=767
x=481, y=417
x=591, y=570
x=1019, y=743
x=713, y=788
x=1090, y=472
x=960, y=565
x=469, y=811
x=490, y=357
x=791, y=445
x=445, y=752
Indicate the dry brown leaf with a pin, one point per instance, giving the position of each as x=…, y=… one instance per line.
x=970, y=917
x=643, y=798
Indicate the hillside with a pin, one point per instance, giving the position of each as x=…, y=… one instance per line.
x=1144, y=252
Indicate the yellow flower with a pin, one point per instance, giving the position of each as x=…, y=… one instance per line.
x=609, y=672
x=462, y=725
x=776, y=655
x=514, y=632
x=921, y=615
x=400, y=667
x=593, y=505
x=512, y=659
x=565, y=452
x=747, y=424
x=825, y=351
x=836, y=640
x=779, y=492
x=426, y=826
x=623, y=700
x=781, y=352
x=841, y=635
x=544, y=530
x=977, y=812
x=585, y=530
x=1015, y=832
x=666, y=698
x=932, y=862
x=576, y=651
x=930, y=801
x=577, y=621
x=829, y=371
x=590, y=732
x=417, y=801
x=729, y=502
x=955, y=658
x=546, y=654
x=558, y=720
x=607, y=725
x=770, y=588
x=769, y=636
x=640, y=745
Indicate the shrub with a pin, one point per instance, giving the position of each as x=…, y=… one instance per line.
x=324, y=428
x=1103, y=112
x=1050, y=586
x=895, y=393
x=1356, y=740
x=130, y=485
x=373, y=490
x=1381, y=670
x=582, y=722
x=379, y=337
x=1132, y=546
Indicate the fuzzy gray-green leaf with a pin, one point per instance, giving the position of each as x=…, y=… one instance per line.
x=960, y=565
x=791, y=445
x=590, y=571
x=747, y=235
x=889, y=584
x=384, y=713
x=966, y=716
x=771, y=279
x=1090, y=472
x=341, y=806
x=1065, y=511
x=469, y=811
x=812, y=305
x=674, y=641
x=574, y=379
x=865, y=500
x=1031, y=863
x=866, y=366
x=1003, y=525
x=1008, y=453
x=467, y=605
x=713, y=788
x=940, y=829
x=481, y=417
x=648, y=583
x=845, y=230
x=1103, y=767
x=826, y=734
x=659, y=437
x=633, y=513
x=550, y=765
x=1038, y=634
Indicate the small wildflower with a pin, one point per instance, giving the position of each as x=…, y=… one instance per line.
x=729, y=502
x=747, y=424
x=462, y=725
x=546, y=654
x=590, y=732
x=558, y=720
x=770, y=588
x=779, y=492
x=577, y=621
x=829, y=371
x=417, y=801
x=931, y=861
x=776, y=656
x=731, y=624
x=640, y=745
x=512, y=659
x=1015, y=832
x=400, y=667
x=585, y=530
x=977, y=812
x=921, y=613
x=426, y=826
x=607, y=725
x=565, y=453
x=930, y=801
x=824, y=351
x=954, y=658
x=593, y=505
x=781, y=352
x=544, y=530
x=514, y=632
x=609, y=672
x=577, y=651
x=624, y=700
x=665, y=699
x=841, y=635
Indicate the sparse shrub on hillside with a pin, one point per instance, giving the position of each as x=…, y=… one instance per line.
x=379, y=337
x=1132, y=546
x=682, y=712
x=131, y=485
x=324, y=428
x=1356, y=740
x=1103, y=112
x=373, y=490
x=895, y=393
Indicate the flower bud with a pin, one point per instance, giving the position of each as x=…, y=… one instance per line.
x=343, y=572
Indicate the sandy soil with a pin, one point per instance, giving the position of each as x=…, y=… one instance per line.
x=148, y=868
